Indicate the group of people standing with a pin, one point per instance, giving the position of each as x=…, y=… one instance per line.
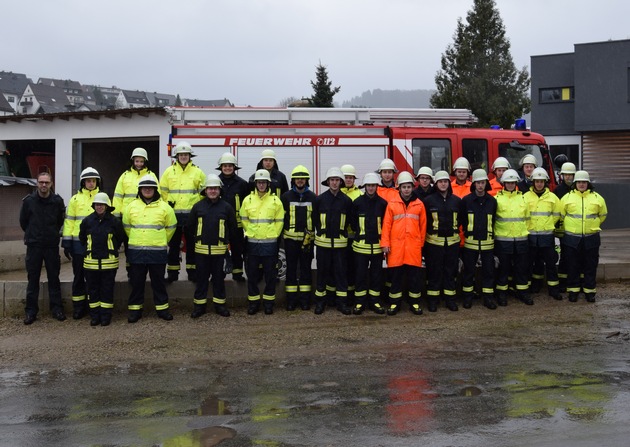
x=370, y=245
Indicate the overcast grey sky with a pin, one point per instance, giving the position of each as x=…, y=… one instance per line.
x=258, y=52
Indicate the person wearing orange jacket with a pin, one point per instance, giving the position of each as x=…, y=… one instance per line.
x=402, y=239
x=387, y=188
x=461, y=171
x=500, y=165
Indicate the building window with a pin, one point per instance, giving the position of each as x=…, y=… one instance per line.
x=559, y=94
x=11, y=99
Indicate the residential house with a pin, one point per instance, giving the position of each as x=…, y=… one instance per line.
x=40, y=98
x=72, y=89
x=12, y=86
x=102, y=98
x=5, y=107
x=129, y=99
x=161, y=99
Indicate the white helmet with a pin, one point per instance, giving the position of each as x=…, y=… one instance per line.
x=262, y=174
x=568, y=168
x=540, y=174
x=424, y=170
x=183, y=147
x=387, y=163
x=510, y=176
x=528, y=159
x=479, y=175
x=90, y=173
x=404, y=177
x=101, y=198
x=148, y=181
x=332, y=173
x=371, y=178
x=501, y=162
x=227, y=158
x=581, y=176
x=349, y=170
x=442, y=175
x=213, y=180
x=461, y=163
x=140, y=152
x=268, y=153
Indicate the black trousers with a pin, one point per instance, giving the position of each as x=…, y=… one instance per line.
x=138, y=277
x=331, y=271
x=369, y=277
x=237, y=242
x=100, y=287
x=37, y=256
x=543, y=263
x=581, y=260
x=78, y=282
x=298, y=276
x=174, y=249
x=209, y=266
x=442, y=263
x=469, y=258
x=513, y=260
x=409, y=274
x=254, y=273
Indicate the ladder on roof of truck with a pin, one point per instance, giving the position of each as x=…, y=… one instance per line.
x=216, y=116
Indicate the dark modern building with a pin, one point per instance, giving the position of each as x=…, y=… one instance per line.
x=581, y=103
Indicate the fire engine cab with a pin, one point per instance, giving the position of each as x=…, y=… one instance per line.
x=320, y=138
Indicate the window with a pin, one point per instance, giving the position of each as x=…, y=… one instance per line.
x=560, y=94
x=515, y=154
x=11, y=99
x=434, y=153
x=476, y=152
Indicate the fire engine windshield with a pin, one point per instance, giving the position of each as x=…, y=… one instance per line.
x=514, y=152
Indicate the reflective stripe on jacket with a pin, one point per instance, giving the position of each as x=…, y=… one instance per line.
x=331, y=219
x=298, y=214
x=583, y=212
x=181, y=186
x=367, y=222
x=127, y=189
x=79, y=207
x=149, y=228
x=262, y=217
x=442, y=218
x=477, y=220
x=544, y=211
x=102, y=238
x=213, y=224
x=512, y=216
x=404, y=229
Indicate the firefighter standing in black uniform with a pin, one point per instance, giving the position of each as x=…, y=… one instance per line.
x=331, y=220
x=441, y=247
x=269, y=162
x=213, y=222
x=234, y=191
x=478, y=210
x=368, y=211
x=101, y=235
x=298, y=236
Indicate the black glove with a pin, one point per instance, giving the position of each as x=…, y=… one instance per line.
x=227, y=266
x=172, y=204
x=67, y=253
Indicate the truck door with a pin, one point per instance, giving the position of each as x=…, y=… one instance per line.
x=434, y=152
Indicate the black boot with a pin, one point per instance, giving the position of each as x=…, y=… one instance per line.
x=198, y=310
x=524, y=297
x=358, y=308
x=573, y=297
x=253, y=307
x=488, y=301
x=590, y=297
x=106, y=318
x=377, y=308
x=451, y=304
x=502, y=298
x=305, y=301
x=291, y=301
x=134, y=316
x=414, y=308
x=432, y=304
x=342, y=306
x=165, y=315
x=320, y=306
x=268, y=305
x=171, y=276
x=221, y=310
x=79, y=309
x=393, y=309
x=238, y=277
x=536, y=286
x=468, y=300
x=95, y=317
x=192, y=275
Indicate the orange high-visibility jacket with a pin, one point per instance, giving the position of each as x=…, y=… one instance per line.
x=404, y=230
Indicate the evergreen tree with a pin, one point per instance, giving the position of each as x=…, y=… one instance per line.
x=478, y=72
x=323, y=92
x=178, y=101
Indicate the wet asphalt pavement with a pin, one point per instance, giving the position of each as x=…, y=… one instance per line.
x=572, y=396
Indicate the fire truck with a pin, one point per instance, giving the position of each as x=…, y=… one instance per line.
x=320, y=138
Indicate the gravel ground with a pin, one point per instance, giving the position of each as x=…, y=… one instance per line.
x=302, y=337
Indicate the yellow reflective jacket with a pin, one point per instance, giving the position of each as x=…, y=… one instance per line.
x=127, y=189
x=262, y=217
x=583, y=212
x=180, y=186
x=544, y=212
x=149, y=228
x=512, y=216
x=79, y=207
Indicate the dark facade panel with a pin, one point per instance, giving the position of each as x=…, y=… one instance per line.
x=602, y=71
x=555, y=71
